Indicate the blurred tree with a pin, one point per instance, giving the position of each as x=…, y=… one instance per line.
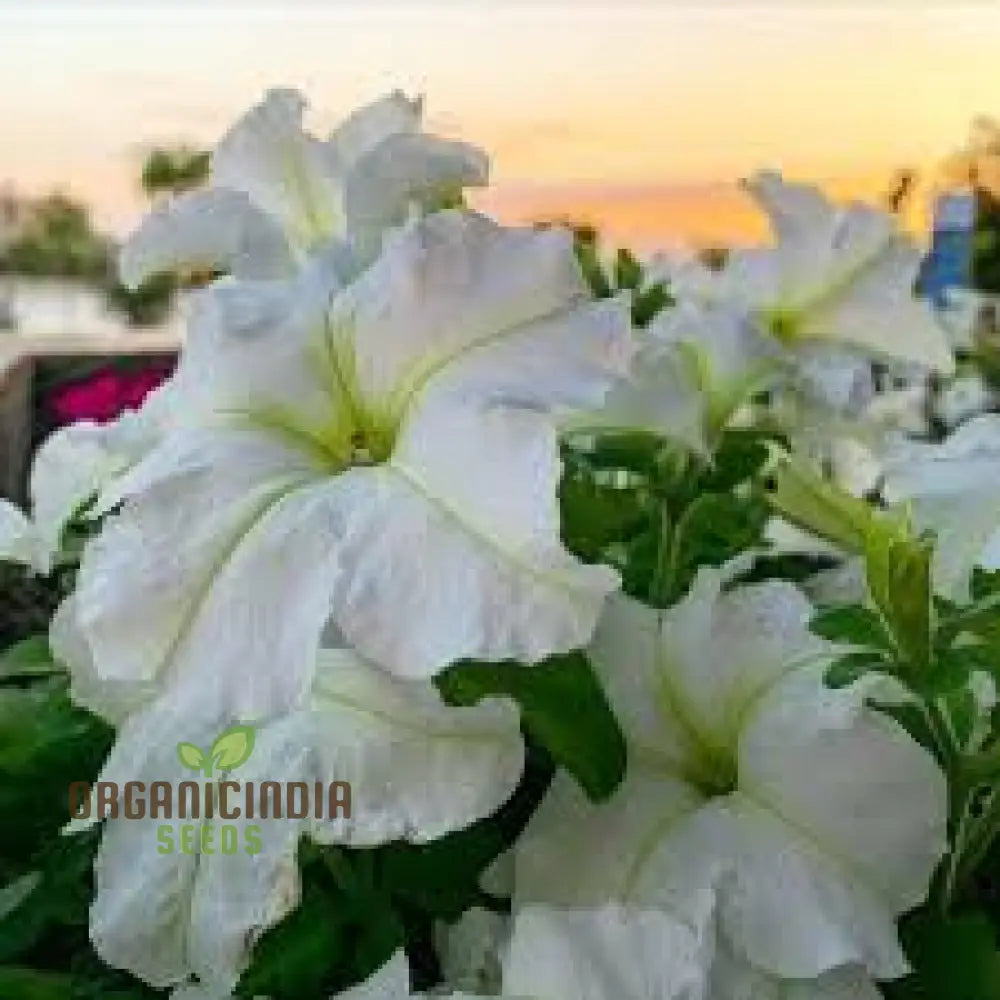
x=57, y=240
x=172, y=171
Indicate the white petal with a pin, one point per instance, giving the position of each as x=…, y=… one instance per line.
x=864, y=809
x=576, y=854
x=454, y=286
x=625, y=953
x=869, y=300
x=660, y=396
x=248, y=350
x=720, y=652
x=785, y=538
x=751, y=278
x=469, y=951
x=403, y=171
x=214, y=229
x=625, y=653
x=18, y=541
x=391, y=982
x=70, y=468
x=952, y=489
x=735, y=979
x=452, y=549
x=113, y=700
x=733, y=359
x=839, y=379
x=196, y=569
x=843, y=584
x=285, y=171
x=139, y=918
x=164, y=915
x=418, y=768
x=889, y=814
x=796, y=211
x=236, y=898
x=905, y=329
x=371, y=124
x=792, y=909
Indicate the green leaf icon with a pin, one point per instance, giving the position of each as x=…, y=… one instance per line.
x=233, y=747
x=191, y=756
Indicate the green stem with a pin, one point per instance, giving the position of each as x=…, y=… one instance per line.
x=982, y=832
x=663, y=567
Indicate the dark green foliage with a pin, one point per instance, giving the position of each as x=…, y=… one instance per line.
x=955, y=958
x=657, y=512
x=342, y=932
x=27, y=602
x=563, y=709
x=45, y=744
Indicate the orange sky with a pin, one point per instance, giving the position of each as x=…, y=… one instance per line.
x=636, y=116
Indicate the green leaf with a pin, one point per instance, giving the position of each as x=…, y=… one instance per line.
x=46, y=743
x=846, y=670
x=191, y=756
x=984, y=583
x=898, y=570
x=563, y=707
x=233, y=747
x=740, y=454
x=852, y=624
x=808, y=501
x=628, y=271
x=442, y=879
x=953, y=959
x=56, y=898
x=33, y=984
x=715, y=528
x=28, y=658
x=342, y=932
x=593, y=270
x=648, y=302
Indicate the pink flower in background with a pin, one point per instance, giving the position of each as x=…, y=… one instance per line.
x=105, y=394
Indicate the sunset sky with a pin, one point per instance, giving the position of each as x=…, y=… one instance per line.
x=638, y=116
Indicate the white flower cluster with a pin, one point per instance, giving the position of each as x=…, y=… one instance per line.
x=350, y=484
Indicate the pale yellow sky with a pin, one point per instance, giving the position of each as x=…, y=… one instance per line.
x=636, y=114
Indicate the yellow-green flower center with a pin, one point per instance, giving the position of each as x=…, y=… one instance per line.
x=710, y=759
x=355, y=428
x=783, y=323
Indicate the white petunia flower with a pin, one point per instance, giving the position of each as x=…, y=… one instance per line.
x=817, y=819
x=606, y=951
x=694, y=370
x=277, y=193
x=68, y=470
x=834, y=277
x=635, y=953
x=387, y=463
x=953, y=488
x=417, y=768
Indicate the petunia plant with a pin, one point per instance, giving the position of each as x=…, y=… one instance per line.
x=472, y=613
